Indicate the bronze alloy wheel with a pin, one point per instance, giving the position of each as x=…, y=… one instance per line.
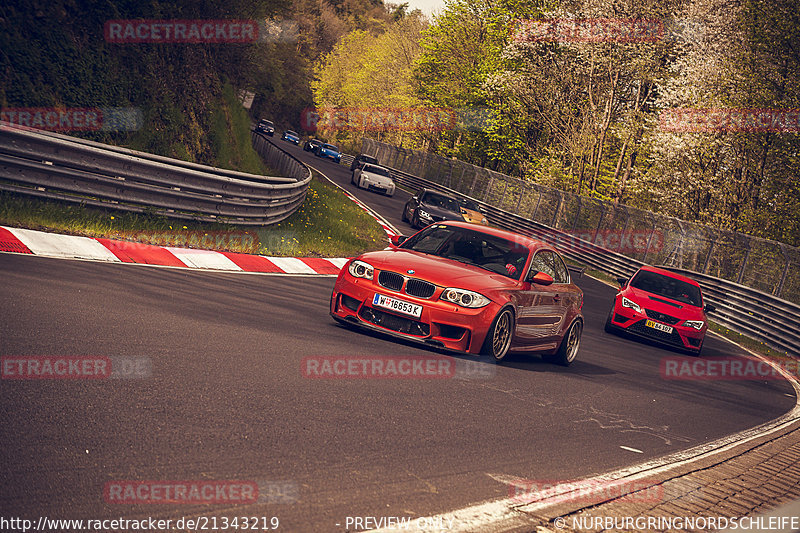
x=498, y=340
x=568, y=350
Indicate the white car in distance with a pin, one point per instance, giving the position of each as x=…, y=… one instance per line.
x=373, y=178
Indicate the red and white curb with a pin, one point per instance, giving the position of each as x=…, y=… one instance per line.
x=26, y=241
x=390, y=230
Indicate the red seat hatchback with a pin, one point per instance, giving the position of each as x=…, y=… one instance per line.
x=663, y=306
x=467, y=288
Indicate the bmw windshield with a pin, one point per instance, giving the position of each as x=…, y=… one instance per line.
x=491, y=253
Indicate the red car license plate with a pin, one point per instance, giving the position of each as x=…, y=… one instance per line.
x=407, y=308
x=659, y=327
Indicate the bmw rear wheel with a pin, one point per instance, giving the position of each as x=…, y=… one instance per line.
x=568, y=350
x=498, y=340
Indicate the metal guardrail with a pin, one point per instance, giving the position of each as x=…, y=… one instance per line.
x=754, y=313
x=765, y=265
x=54, y=166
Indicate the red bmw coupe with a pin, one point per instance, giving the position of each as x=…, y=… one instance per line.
x=663, y=306
x=462, y=287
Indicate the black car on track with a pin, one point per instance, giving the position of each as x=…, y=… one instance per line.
x=311, y=145
x=428, y=206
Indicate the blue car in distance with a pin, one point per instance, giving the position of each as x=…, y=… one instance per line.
x=328, y=151
x=291, y=136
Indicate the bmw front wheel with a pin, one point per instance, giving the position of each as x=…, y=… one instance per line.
x=498, y=340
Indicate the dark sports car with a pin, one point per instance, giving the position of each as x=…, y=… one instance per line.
x=311, y=145
x=266, y=126
x=468, y=288
x=428, y=206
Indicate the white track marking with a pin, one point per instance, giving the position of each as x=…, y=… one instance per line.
x=203, y=259
x=506, y=514
x=377, y=216
x=339, y=262
x=631, y=449
x=291, y=265
x=57, y=245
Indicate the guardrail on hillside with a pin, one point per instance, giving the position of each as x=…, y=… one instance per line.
x=55, y=166
x=768, y=266
x=757, y=314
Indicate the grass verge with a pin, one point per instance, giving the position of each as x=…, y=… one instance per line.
x=327, y=225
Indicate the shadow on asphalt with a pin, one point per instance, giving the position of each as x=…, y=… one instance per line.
x=520, y=361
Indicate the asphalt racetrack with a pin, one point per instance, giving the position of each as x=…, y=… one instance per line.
x=227, y=397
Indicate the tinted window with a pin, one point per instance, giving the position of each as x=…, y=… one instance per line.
x=491, y=253
x=439, y=200
x=562, y=274
x=376, y=170
x=667, y=286
x=543, y=262
x=468, y=204
x=330, y=147
x=549, y=263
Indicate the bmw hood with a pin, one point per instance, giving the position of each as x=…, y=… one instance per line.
x=437, y=270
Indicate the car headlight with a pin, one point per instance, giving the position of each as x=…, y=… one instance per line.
x=696, y=324
x=423, y=214
x=360, y=269
x=464, y=298
x=631, y=304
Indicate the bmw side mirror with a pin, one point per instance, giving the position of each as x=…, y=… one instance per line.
x=710, y=308
x=542, y=278
x=397, y=240
x=622, y=281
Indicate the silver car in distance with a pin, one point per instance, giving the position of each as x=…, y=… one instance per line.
x=374, y=178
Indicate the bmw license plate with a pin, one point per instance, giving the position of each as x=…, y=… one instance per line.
x=658, y=326
x=399, y=306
